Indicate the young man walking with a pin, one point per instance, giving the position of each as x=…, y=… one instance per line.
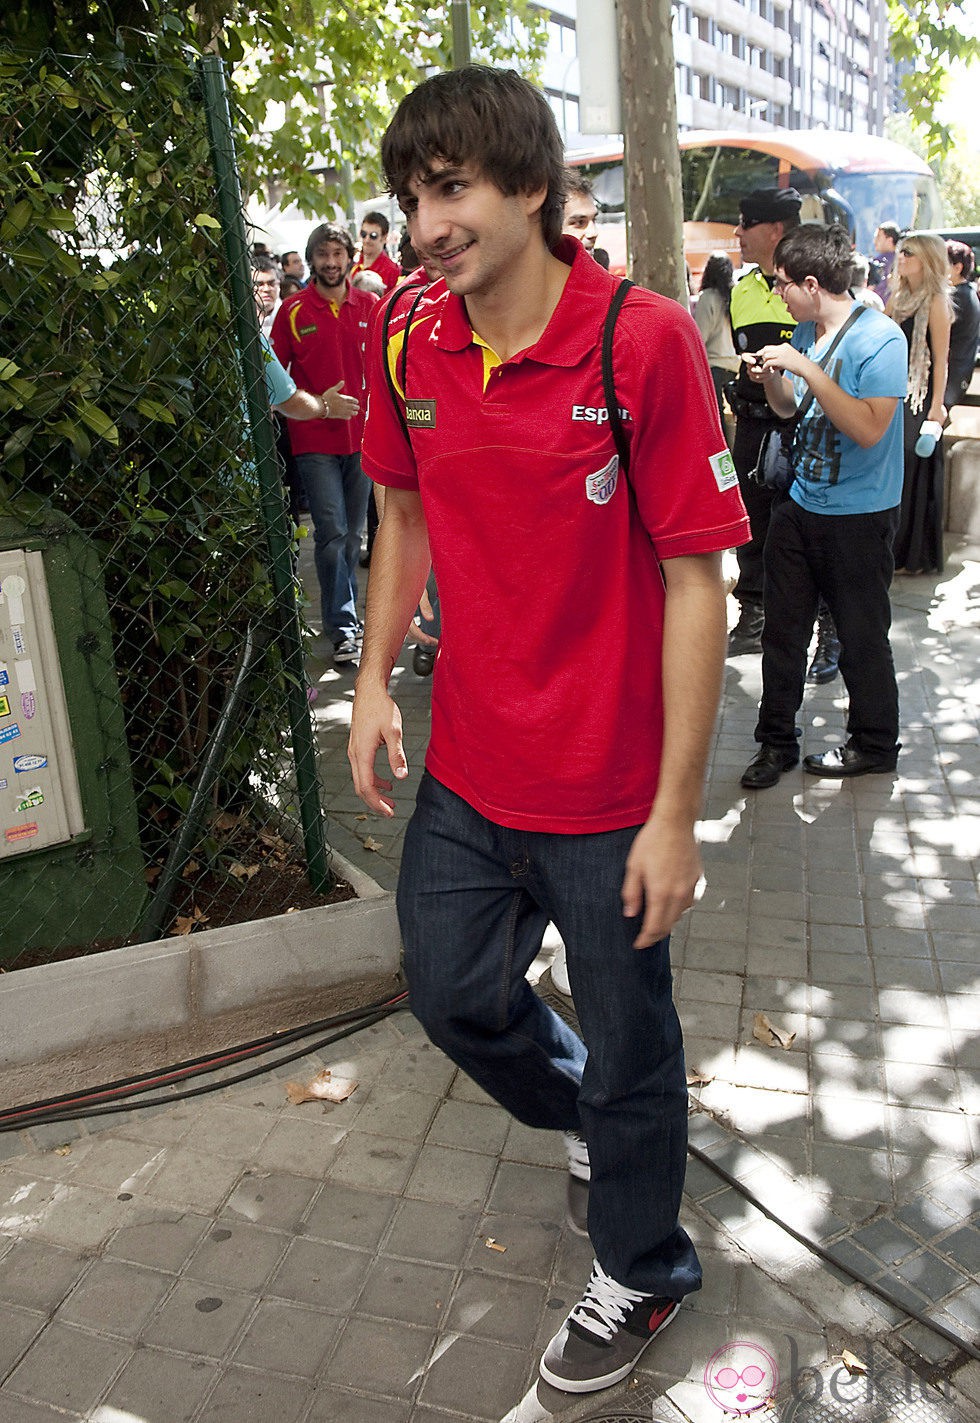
x=319, y=335
x=831, y=536
x=563, y=778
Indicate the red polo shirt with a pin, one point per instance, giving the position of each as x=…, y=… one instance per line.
x=319, y=344
x=547, y=710
x=389, y=271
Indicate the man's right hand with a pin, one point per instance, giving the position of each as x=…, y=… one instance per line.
x=375, y=721
x=337, y=406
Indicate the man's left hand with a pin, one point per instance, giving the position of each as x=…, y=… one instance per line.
x=662, y=871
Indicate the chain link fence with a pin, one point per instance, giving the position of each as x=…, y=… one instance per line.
x=157, y=767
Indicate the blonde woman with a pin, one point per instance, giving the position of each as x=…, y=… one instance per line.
x=920, y=302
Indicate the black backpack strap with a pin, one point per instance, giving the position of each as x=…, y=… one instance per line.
x=385, y=329
x=608, y=383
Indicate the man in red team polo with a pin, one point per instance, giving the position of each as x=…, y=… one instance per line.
x=563, y=778
x=319, y=336
x=374, y=258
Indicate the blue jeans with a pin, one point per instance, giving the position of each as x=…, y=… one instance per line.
x=337, y=493
x=474, y=899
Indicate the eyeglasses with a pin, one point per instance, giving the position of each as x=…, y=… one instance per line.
x=747, y=222
x=779, y=285
x=373, y=235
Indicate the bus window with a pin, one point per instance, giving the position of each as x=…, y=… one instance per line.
x=714, y=181
x=910, y=199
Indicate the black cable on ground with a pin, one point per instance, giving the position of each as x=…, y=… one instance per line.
x=829, y=1258
x=104, y=1100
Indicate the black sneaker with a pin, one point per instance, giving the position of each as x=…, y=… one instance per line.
x=746, y=635
x=346, y=650
x=579, y=1175
x=604, y=1336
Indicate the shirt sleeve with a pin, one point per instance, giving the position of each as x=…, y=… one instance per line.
x=884, y=372
x=279, y=384
x=680, y=466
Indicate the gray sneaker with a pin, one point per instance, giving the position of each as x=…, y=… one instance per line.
x=604, y=1336
x=579, y=1175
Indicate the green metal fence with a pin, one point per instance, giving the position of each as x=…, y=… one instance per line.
x=139, y=474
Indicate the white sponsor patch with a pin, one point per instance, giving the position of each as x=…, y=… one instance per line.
x=601, y=486
x=723, y=469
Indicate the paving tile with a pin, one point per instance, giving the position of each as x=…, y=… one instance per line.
x=271, y=1199
x=251, y=1393
x=470, y=1127
x=161, y=1244
x=17, y=1410
x=528, y=1251
x=67, y=1368
x=194, y=1178
x=287, y=1338
x=528, y=1190
x=348, y=1215
x=409, y=1291
x=533, y=1146
x=18, y=1329
x=495, y=1307
x=118, y=1165
x=116, y=1298
x=336, y=1405
x=963, y=1247
x=199, y=1319
x=425, y=1230
x=303, y=1148
x=236, y=1254
x=834, y=968
x=858, y=1172
x=382, y=1357
x=323, y=1275
x=403, y=1114
x=35, y=1275
x=374, y=1163
x=157, y=1385
x=461, y=1178
x=886, y=1241
x=475, y=1376
x=932, y=1276
x=926, y=1217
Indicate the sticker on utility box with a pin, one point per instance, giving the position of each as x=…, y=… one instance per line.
x=29, y=763
x=27, y=831
x=4, y=705
x=28, y=705
x=31, y=801
x=20, y=641
x=4, y=675
x=9, y=733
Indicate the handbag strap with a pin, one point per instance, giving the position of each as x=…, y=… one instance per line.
x=608, y=381
x=808, y=399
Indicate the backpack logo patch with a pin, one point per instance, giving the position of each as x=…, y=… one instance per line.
x=601, y=486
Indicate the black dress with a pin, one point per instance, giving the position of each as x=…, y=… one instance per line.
x=919, y=540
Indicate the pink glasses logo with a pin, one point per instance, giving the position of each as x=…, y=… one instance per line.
x=741, y=1378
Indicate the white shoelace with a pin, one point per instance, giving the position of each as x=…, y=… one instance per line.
x=604, y=1305
x=578, y=1155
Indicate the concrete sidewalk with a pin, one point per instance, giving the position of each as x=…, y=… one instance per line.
x=402, y=1256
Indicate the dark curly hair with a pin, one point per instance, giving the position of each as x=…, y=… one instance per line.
x=491, y=118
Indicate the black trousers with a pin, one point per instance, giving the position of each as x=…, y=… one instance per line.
x=846, y=558
x=758, y=505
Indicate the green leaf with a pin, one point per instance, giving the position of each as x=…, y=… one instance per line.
x=19, y=441
x=98, y=421
x=17, y=219
x=204, y=219
x=153, y=410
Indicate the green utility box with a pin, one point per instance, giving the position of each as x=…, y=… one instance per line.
x=71, y=869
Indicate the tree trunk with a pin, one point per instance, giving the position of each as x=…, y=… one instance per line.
x=652, y=166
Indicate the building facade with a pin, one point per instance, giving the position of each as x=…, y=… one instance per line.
x=754, y=64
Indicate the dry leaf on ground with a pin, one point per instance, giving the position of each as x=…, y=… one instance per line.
x=769, y=1035
x=852, y=1363
x=186, y=922
x=241, y=871
x=698, y=1079
x=370, y=843
x=322, y=1088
